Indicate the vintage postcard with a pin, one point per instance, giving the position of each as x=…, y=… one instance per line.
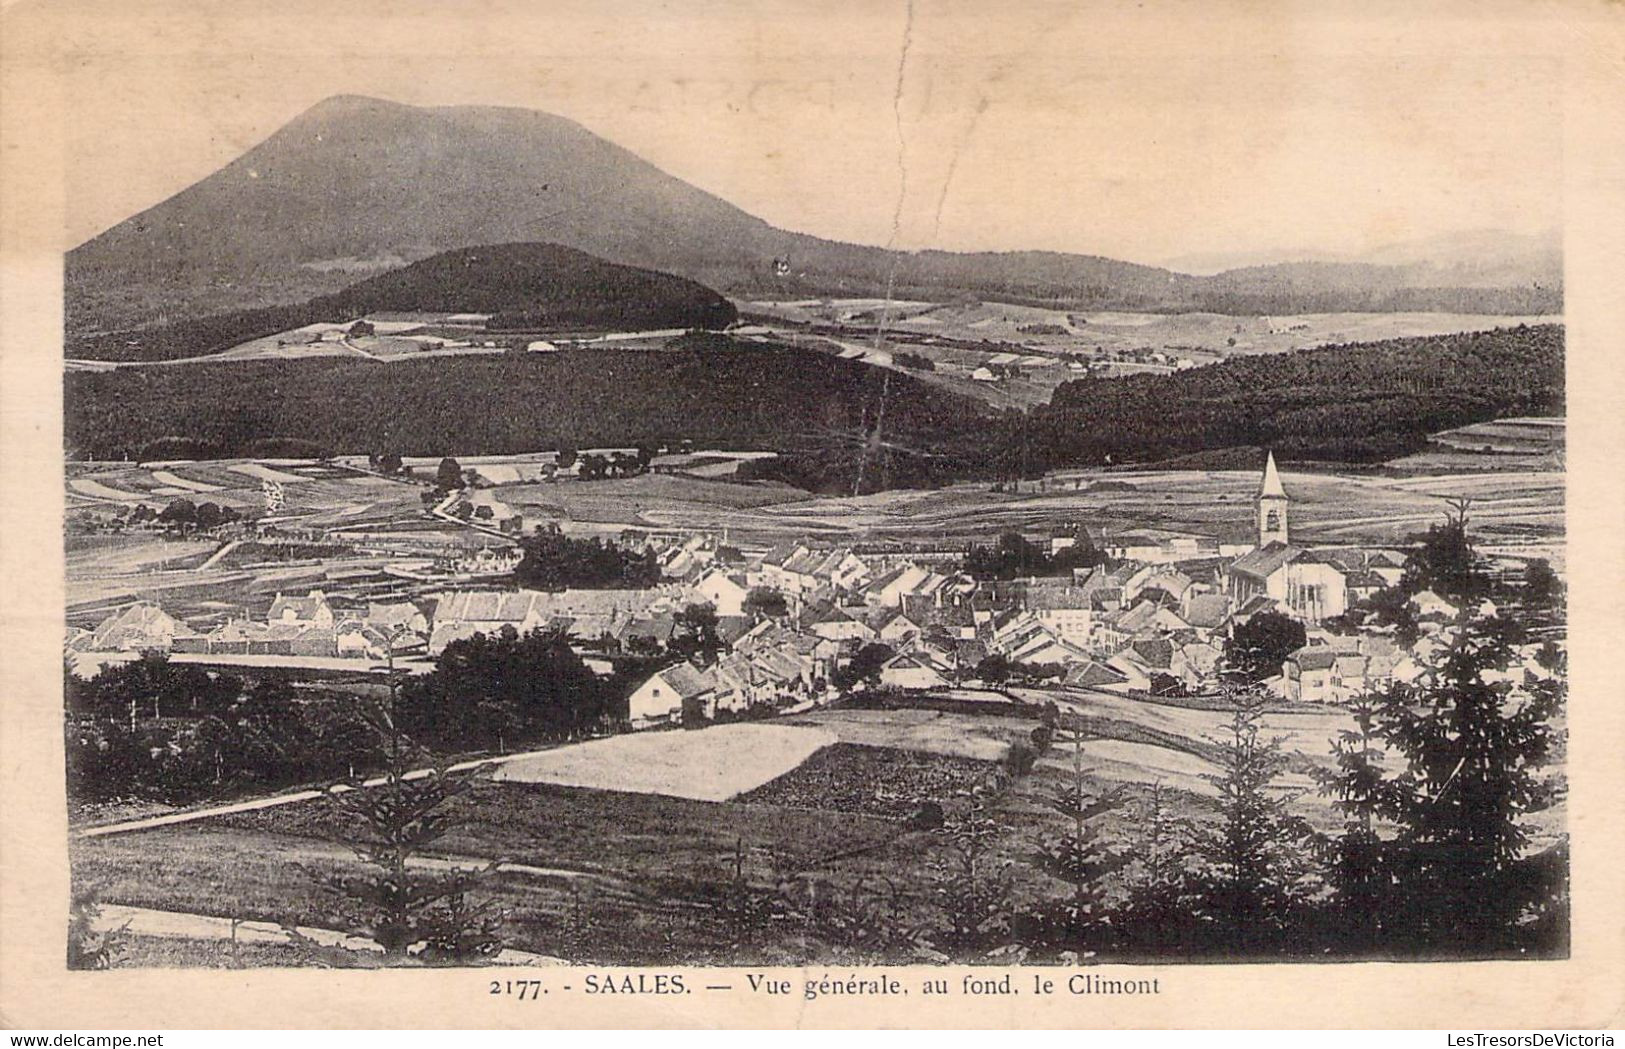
x=822, y=514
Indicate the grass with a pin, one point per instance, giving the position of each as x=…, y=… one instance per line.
x=876, y=781
x=636, y=870
x=711, y=764
x=164, y=952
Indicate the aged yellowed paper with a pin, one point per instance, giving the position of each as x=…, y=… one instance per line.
x=811, y=514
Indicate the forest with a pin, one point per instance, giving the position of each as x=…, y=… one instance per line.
x=1358, y=404
x=839, y=425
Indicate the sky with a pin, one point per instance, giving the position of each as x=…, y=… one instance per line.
x=1148, y=132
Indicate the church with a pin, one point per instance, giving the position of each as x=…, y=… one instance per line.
x=1278, y=575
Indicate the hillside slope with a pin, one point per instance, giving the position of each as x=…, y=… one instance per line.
x=523, y=287
x=839, y=424
x=357, y=185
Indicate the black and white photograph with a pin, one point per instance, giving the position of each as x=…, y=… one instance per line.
x=819, y=488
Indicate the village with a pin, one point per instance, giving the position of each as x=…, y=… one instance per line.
x=728, y=631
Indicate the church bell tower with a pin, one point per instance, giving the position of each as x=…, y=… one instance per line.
x=1272, y=503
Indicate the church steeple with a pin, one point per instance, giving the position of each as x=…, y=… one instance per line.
x=1272, y=505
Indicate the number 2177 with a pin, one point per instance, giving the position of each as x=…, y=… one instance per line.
x=521, y=989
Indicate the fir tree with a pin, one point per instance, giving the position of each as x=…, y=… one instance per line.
x=1472, y=738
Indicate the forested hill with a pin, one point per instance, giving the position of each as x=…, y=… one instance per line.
x=525, y=286
x=542, y=285
x=1359, y=403
x=707, y=389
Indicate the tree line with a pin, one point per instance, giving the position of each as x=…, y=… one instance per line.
x=178, y=732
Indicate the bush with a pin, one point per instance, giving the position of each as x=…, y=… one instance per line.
x=1020, y=758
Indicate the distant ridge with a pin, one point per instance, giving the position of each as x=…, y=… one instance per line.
x=356, y=184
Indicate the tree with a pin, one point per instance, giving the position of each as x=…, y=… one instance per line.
x=697, y=631
x=1444, y=562
x=212, y=515
x=1360, y=873
x=389, y=463
x=388, y=825
x=90, y=947
x=1253, y=858
x=993, y=669
x=492, y=691
x=865, y=666
x=1157, y=916
x=1081, y=856
x=971, y=885
x=361, y=328
x=566, y=457
x=764, y=602
x=554, y=561
x=1541, y=586
x=448, y=476
x=181, y=512
x=1472, y=742
x=1256, y=649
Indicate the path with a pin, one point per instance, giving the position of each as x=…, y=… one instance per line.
x=145, y=921
x=215, y=557
x=253, y=804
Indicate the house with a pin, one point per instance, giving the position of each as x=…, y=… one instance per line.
x=460, y=614
x=835, y=624
x=646, y=633
x=359, y=639
x=1206, y=613
x=1427, y=604
x=591, y=614
x=912, y=672
x=1307, y=675
x=1067, y=611
x=1042, y=648
x=394, y=617
x=141, y=627
x=724, y=592
x=1095, y=674
x=660, y=699
x=798, y=568
x=310, y=610
x=894, y=626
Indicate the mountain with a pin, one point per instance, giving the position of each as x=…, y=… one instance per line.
x=1486, y=258
x=358, y=185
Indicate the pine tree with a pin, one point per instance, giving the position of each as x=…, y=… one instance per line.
x=1254, y=859
x=1472, y=738
x=1360, y=870
x=388, y=825
x=1082, y=856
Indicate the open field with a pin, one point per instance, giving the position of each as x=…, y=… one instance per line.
x=640, y=871
x=711, y=764
x=643, y=500
x=959, y=337
x=1326, y=508
x=1502, y=445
